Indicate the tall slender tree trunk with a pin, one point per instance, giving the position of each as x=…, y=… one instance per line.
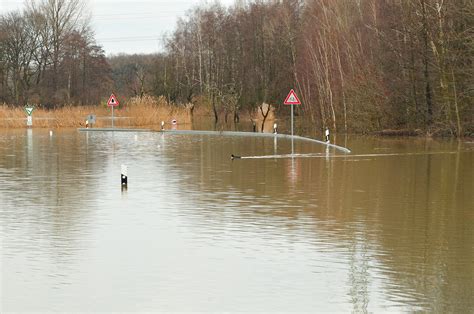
x=214, y=107
x=200, y=55
x=83, y=78
x=413, y=79
x=429, y=100
x=69, y=88
x=458, y=119
x=338, y=55
x=16, y=87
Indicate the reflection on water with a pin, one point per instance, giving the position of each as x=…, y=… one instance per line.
x=196, y=231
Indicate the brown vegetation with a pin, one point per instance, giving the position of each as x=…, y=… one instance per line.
x=357, y=66
x=48, y=55
x=148, y=111
x=400, y=132
x=137, y=112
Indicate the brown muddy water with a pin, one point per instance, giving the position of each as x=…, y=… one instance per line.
x=389, y=227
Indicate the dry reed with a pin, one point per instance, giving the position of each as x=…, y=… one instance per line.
x=145, y=112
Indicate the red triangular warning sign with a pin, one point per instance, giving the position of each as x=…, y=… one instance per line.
x=292, y=99
x=112, y=102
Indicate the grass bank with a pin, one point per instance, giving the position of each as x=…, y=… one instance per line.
x=146, y=112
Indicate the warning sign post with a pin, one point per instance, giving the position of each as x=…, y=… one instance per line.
x=291, y=99
x=112, y=102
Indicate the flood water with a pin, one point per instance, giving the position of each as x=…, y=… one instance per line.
x=389, y=227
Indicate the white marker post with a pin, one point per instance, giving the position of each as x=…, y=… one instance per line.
x=112, y=102
x=292, y=99
x=275, y=145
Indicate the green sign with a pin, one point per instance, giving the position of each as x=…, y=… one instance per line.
x=29, y=110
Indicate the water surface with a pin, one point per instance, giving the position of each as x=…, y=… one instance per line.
x=387, y=228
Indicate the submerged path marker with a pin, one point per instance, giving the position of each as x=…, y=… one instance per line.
x=291, y=99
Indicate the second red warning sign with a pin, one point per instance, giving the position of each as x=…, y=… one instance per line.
x=292, y=99
x=112, y=102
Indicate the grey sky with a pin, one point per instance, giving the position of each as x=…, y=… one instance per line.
x=130, y=26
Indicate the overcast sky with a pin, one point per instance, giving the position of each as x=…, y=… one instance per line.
x=130, y=26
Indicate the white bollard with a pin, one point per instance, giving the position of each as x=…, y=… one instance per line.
x=275, y=128
x=50, y=133
x=162, y=125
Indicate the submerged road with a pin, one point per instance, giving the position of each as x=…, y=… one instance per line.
x=225, y=133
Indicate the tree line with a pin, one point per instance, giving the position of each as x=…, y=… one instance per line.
x=48, y=55
x=357, y=66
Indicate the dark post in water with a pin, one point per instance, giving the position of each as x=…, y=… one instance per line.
x=124, y=178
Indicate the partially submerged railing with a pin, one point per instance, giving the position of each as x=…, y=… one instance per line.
x=255, y=134
x=225, y=133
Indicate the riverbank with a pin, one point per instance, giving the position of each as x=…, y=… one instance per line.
x=145, y=112
x=418, y=133
x=148, y=112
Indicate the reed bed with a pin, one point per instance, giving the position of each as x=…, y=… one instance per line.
x=145, y=112
x=148, y=112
